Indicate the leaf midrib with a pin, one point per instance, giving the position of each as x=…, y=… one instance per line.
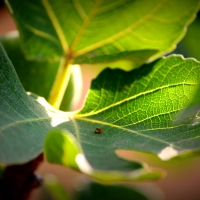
x=56, y=25
x=131, y=98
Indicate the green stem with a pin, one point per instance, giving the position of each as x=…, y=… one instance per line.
x=60, y=84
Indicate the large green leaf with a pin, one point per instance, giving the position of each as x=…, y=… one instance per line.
x=90, y=29
x=38, y=76
x=136, y=110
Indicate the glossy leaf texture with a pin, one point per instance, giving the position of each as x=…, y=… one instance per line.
x=134, y=111
x=99, y=31
x=38, y=76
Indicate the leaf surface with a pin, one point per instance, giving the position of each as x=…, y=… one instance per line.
x=24, y=122
x=38, y=76
x=135, y=111
x=94, y=29
x=141, y=105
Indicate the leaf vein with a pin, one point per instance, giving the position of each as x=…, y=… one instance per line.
x=124, y=32
x=56, y=25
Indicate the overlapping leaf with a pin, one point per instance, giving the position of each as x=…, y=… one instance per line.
x=136, y=111
x=98, y=31
x=138, y=108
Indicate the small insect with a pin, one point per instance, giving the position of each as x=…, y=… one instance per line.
x=98, y=131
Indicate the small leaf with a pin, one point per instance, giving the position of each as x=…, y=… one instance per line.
x=136, y=110
x=52, y=29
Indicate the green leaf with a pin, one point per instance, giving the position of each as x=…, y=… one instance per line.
x=38, y=76
x=24, y=122
x=94, y=29
x=35, y=76
x=135, y=111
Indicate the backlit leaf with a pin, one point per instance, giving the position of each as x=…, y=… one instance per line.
x=136, y=111
x=94, y=29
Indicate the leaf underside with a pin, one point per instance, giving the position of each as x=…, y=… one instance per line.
x=100, y=30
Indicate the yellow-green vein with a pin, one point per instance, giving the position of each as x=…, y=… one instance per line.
x=56, y=25
x=124, y=32
x=86, y=23
x=79, y=9
x=41, y=33
x=123, y=129
x=131, y=98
